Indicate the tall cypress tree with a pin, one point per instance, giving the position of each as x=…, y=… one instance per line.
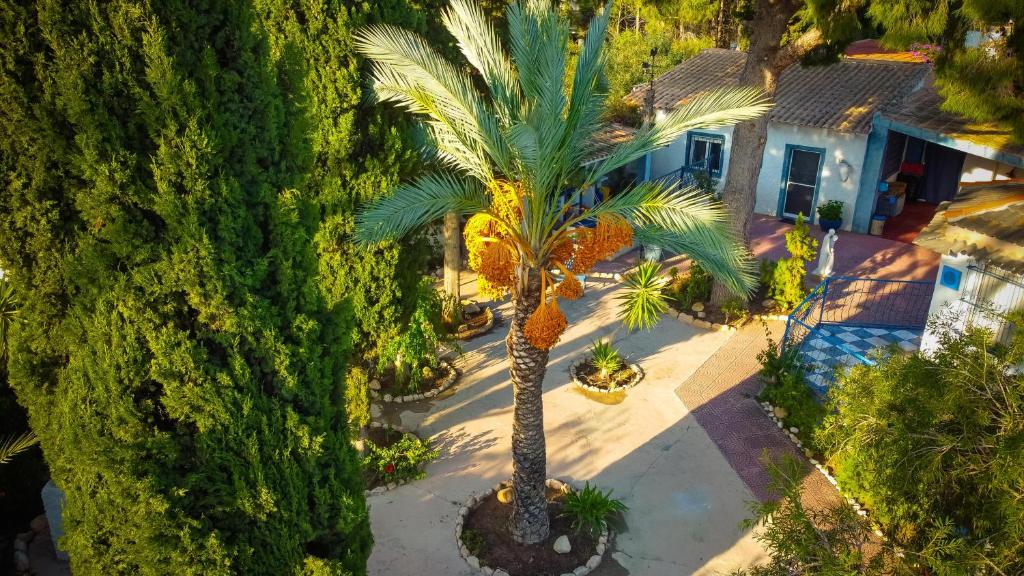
x=178, y=182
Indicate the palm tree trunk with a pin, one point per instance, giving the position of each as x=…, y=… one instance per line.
x=527, y=365
x=452, y=259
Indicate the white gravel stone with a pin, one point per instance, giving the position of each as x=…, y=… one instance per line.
x=600, y=548
x=500, y=572
x=581, y=571
x=594, y=562
x=387, y=398
x=473, y=562
x=794, y=429
x=562, y=545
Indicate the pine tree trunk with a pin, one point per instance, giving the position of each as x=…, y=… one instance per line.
x=527, y=365
x=766, y=59
x=721, y=35
x=452, y=259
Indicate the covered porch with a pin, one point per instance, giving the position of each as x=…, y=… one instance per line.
x=919, y=156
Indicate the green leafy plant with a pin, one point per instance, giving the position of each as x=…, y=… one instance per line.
x=415, y=351
x=357, y=398
x=787, y=286
x=452, y=310
x=8, y=314
x=590, y=509
x=933, y=445
x=831, y=210
x=735, y=308
x=643, y=297
x=694, y=286
x=778, y=361
x=605, y=358
x=402, y=461
x=832, y=540
x=474, y=542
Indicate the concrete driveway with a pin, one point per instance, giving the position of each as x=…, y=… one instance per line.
x=686, y=502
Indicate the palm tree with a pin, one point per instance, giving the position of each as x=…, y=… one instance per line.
x=508, y=154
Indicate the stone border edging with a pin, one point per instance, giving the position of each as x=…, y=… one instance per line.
x=449, y=380
x=592, y=563
x=791, y=433
x=389, y=485
x=474, y=332
x=701, y=323
x=638, y=375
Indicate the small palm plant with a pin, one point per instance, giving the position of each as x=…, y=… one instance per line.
x=11, y=446
x=590, y=509
x=605, y=358
x=8, y=314
x=644, y=298
x=507, y=158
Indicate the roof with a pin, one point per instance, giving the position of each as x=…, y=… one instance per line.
x=709, y=70
x=606, y=139
x=985, y=221
x=922, y=110
x=843, y=96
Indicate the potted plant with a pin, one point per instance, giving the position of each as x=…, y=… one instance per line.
x=830, y=215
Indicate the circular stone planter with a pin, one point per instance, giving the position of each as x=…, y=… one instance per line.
x=465, y=332
x=448, y=382
x=592, y=563
x=638, y=375
x=391, y=485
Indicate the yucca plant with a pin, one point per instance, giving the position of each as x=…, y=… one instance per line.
x=644, y=299
x=507, y=155
x=605, y=358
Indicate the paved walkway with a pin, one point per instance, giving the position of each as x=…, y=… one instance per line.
x=721, y=395
x=686, y=501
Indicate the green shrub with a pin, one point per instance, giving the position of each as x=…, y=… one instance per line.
x=357, y=398
x=474, y=542
x=787, y=285
x=401, y=462
x=591, y=510
x=831, y=540
x=605, y=358
x=767, y=273
x=777, y=361
x=934, y=446
x=179, y=192
x=735, y=309
x=695, y=286
x=416, y=349
x=831, y=210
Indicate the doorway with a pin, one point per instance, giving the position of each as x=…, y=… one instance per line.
x=801, y=175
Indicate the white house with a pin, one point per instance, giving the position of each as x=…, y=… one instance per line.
x=837, y=132
x=980, y=238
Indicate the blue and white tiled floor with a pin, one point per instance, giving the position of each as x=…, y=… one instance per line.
x=830, y=346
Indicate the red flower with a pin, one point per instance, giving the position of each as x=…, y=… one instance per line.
x=389, y=469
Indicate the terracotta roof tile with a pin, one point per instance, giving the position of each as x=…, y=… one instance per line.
x=709, y=70
x=604, y=141
x=843, y=96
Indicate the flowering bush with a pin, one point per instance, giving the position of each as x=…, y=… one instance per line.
x=402, y=461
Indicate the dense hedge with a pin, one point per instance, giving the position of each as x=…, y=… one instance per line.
x=178, y=183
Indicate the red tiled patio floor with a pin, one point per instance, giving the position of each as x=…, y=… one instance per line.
x=856, y=254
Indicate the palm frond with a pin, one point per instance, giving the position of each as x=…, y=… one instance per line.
x=481, y=46
x=409, y=72
x=723, y=107
x=643, y=298
x=726, y=259
x=11, y=446
x=8, y=312
x=418, y=203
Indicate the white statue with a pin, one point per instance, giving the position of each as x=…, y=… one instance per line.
x=827, y=256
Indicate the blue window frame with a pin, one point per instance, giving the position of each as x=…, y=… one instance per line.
x=801, y=181
x=705, y=150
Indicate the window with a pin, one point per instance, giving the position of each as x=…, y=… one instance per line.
x=705, y=151
x=800, y=174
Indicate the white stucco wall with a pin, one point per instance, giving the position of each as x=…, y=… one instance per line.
x=673, y=156
x=950, y=305
x=978, y=169
x=837, y=145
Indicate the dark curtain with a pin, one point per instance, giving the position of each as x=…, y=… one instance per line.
x=943, y=167
x=893, y=153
